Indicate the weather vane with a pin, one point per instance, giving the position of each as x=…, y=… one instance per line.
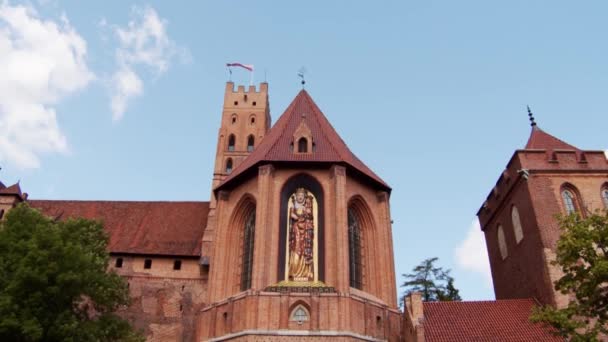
x=301, y=73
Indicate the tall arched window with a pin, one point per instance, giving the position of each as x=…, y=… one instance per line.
x=250, y=143
x=302, y=145
x=231, y=142
x=517, y=229
x=605, y=196
x=570, y=201
x=354, y=250
x=229, y=165
x=247, y=260
x=502, y=243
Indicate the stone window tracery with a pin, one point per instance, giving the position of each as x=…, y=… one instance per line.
x=354, y=250
x=570, y=201
x=299, y=314
x=247, y=260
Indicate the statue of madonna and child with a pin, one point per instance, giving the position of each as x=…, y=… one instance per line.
x=301, y=237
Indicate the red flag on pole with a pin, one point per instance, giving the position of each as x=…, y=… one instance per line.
x=244, y=66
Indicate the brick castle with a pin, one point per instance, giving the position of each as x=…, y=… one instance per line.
x=295, y=243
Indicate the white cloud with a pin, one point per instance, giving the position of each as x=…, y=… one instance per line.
x=472, y=255
x=41, y=63
x=143, y=42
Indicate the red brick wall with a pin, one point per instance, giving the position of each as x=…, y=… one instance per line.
x=165, y=302
x=270, y=312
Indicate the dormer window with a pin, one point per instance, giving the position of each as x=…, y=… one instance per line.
x=302, y=139
x=302, y=145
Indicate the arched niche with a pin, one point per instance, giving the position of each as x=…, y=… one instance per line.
x=370, y=250
x=308, y=182
x=240, y=252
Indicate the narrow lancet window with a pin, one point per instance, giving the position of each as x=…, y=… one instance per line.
x=569, y=201
x=605, y=197
x=231, y=142
x=354, y=250
x=247, y=262
x=228, y=166
x=250, y=143
x=517, y=229
x=502, y=243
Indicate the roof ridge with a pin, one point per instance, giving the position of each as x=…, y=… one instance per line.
x=320, y=116
x=453, y=302
x=114, y=201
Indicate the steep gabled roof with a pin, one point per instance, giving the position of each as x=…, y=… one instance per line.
x=158, y=228
x=14, y=189
x=277, y=144
x=541, y=140
x=498, y=320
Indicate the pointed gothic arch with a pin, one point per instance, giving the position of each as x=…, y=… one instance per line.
x=363, y=261
x=604, y=195
x=241, y=234
x=301, y=180
x=571, y=199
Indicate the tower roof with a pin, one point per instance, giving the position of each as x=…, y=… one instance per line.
x=14, y=189
x=277, y=145
x=541, y=140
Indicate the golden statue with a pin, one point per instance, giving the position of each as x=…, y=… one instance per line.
x=301, y=237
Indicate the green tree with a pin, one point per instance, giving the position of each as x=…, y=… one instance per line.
x=434, y=283
x=582, y=255
x=53, y=281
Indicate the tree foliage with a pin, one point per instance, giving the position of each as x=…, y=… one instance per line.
x=582, y=255
x=53, y=281
x=434, y=283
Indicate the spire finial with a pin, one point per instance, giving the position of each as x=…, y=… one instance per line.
x=532, y=122
x=301, y=73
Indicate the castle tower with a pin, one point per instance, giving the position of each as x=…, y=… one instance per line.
x=245, y=121
x=546, y=178
x=9, y=197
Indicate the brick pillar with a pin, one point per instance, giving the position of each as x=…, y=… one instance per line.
x=263, y=229
x=338, y=225
x=217, y=268
x=389, y=290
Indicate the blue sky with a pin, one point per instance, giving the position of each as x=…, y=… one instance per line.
x=122, y=100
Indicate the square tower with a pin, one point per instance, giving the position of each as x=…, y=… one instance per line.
x=547, y=178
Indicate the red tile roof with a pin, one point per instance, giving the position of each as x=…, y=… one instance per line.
x=541, y=140
x=14, y=189
x=161, y=228
x=499, y=320
x=329, y=147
